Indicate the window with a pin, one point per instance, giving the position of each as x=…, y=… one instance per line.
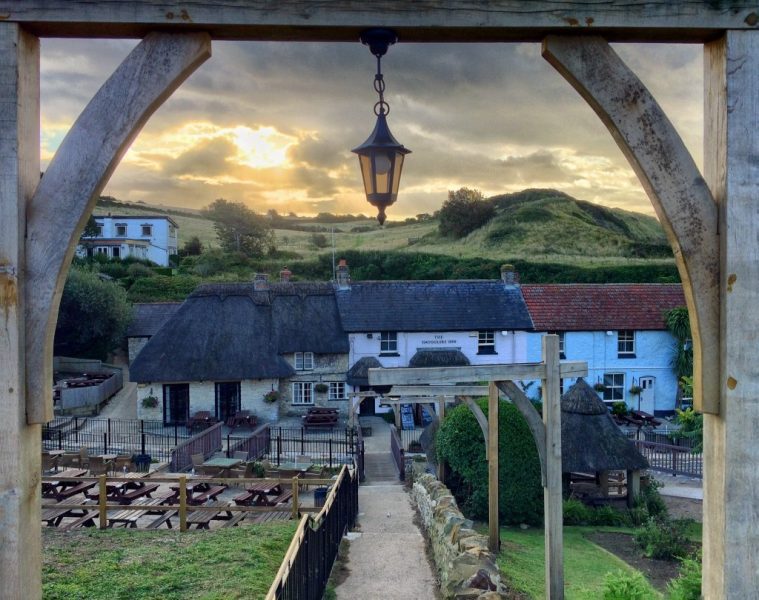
x=147, y=230
x=614, y=384
x=99, y=229
x=121, y=230
x=626, y=343
x=388, y=342
x=562, y=353
x=304, y=361
x=102, y=250
x=336, y=390
x=116, y=252
x=486, y=342
x=303, y=392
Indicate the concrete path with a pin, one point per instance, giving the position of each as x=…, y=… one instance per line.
x=387, y=559
x=123, y=404
x=680, y=486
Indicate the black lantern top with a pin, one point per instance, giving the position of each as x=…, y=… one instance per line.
x=380, y=156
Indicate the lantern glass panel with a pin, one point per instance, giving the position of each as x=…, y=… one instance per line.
x=366, y=173
x=382, y=183
x=397, y=172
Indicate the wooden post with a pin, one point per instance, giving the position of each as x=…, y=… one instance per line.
x=102, y=500
x=731, y=480
x=20, y=539
x=633, y=486
x=441, y=416
x=295, y=498
x=182, y=503
x=494, y=537
x=553, y=506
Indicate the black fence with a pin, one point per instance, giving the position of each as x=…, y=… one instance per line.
x=256, y=445
x=330, y=448
x=308, y=562
x=112, y=436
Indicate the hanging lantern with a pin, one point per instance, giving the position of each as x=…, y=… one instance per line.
x=380, y=156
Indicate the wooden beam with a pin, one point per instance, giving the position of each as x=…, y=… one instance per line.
x=553, y=502
x=731, y=453
x=531, y=415
x=20, y=539
x=473, y=374
x=482, y=420
x=671, y=179
x=438, y=390
x=74, y=179
x=494, y=528
x=422, y=20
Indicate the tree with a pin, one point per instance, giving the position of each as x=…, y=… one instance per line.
x=192, y=247
x=239, y=229
x=92, y=317
x=678, y=324
x=319, y=240
x=463, y=212
x=91, y=229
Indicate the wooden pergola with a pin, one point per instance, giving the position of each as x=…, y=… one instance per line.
x=710, y=220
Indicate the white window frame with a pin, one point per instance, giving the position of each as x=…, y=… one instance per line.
x=121, y=226
x=486, y=342
x=626, y=343
x=304, y=361
x=303, y=393
x=336, y=390
x=146, y=227
x=388, y=342
x=99, y=228
x=562, y=347
x=614, y=387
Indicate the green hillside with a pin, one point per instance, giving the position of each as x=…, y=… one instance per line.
x=539, y=225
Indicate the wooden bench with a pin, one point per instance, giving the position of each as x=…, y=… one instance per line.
x=164, y=518
x=86, y=520
x=282, y=498
x=209, y=494
x=145, y=490
x=53, y=516
x=202, y=518
x=236, y=518
x=128, y=517
x=245, y=499
x=274, y=515
x=73, y=490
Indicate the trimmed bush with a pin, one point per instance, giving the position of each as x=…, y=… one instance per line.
x=664, y=539
x=460, y=443
x=626, y=586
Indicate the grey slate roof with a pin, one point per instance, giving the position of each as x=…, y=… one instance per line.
x=149, y=317
x=590, y=440
x=439, y=358
x=231, y=332
x=432, y=306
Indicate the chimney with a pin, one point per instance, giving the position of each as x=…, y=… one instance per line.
x=509, y=275
x=343, y=275
x=285, y=274
x=260, y=282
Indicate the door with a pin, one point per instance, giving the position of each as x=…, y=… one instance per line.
x=367, y=406
x=647, y=395
x=176, y=403
x=227, y=399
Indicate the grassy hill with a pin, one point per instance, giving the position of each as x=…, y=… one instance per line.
x=539, y=225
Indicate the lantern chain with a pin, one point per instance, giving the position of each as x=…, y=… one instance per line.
x=381, y=107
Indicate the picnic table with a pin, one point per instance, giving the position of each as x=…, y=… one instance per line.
x=202, y=518
x=258, y=494
x=288, y=470
x=128, y=517
x=223, y=464
x=54, y=489
x=200, y=420
x=242, y=418
x=197, y=493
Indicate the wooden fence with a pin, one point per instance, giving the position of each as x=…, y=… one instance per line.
x=668, y=458
x=306, y=567
x=399, y=455
x=206, y=443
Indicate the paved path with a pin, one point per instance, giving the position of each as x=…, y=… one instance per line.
x=387, y=559
x=123, y=404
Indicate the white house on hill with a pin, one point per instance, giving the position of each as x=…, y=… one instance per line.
x=153, y=237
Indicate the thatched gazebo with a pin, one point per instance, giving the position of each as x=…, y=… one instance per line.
x=591, y=442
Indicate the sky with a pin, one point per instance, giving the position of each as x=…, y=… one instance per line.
x=272, y=124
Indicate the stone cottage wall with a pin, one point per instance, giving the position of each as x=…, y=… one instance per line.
x=466, y=567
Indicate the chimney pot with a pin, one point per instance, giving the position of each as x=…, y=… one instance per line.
x=509, y=275
x=343, y=275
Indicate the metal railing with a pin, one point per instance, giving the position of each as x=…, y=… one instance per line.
x=206, y=443
x=360, y=454
x=307, y=565
x=257, y=444
x=410, y=439
x=112, y=436
x=669, y=458
x=329, y=448
x=399, y=455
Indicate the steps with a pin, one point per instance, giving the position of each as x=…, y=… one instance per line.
x=379, y=468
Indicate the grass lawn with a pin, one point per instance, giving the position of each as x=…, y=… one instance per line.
x=585, y=564
x=128, y=564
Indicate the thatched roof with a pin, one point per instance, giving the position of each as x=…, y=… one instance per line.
x=231, y=331
x=358, y=374
x=439, y=358
x=149, y=317
x=590, y=440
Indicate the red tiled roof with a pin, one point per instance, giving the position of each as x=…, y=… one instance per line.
x=596, y=307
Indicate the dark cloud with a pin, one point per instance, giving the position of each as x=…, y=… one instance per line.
x=207, y=159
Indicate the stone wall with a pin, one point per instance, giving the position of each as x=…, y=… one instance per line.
x=467, y=569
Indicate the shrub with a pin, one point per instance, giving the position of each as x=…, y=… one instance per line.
x=651, y=501
x=271, y=397
x=576, y=513
x=626, y=586
x=687, y=585
x=609, y=516
x=619, y=408
x=664, y=539
x=136, y=270
x=460, y=443
x=149, y=401
x=321, y=387
x=463, y=212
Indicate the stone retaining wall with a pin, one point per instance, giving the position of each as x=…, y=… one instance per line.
x=466, y=567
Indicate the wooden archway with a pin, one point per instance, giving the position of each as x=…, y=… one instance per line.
x=719, y=268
